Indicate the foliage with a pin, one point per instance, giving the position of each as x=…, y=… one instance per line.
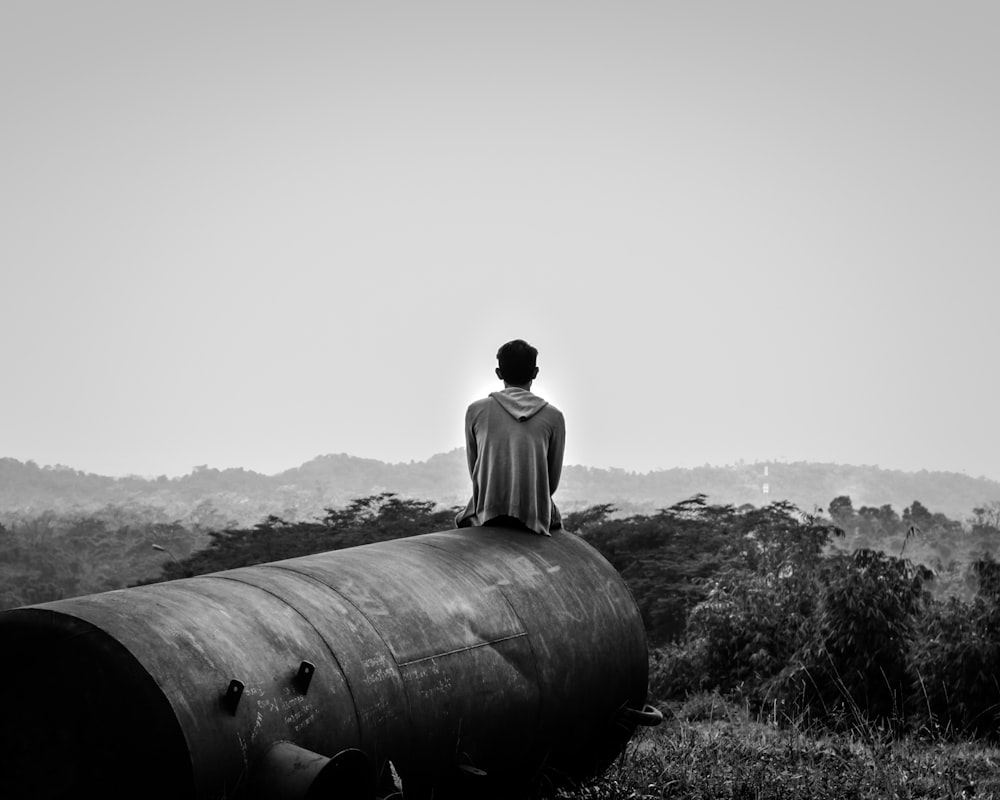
x=745, y=631
x=843, y=638
x=751, y=621
x=675, y=559
x=243, y=497
x=666, y=557
x=957, y=658
x=761, y=605
x=376, y=518
x=854, y=656
x=732, y=584
x=881, y=528
x=53, y=555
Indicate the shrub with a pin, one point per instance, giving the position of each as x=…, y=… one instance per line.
x=677, y=670
x=955, y=663
x=747, y=629
x=854, y=660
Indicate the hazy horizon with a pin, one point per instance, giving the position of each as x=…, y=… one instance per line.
x=739, y=464
x=244, y=234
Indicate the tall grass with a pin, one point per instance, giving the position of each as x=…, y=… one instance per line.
x=709, y=748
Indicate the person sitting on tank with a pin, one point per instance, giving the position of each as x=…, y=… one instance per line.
x=514, y=441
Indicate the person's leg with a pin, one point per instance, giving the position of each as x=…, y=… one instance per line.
x=507, y=522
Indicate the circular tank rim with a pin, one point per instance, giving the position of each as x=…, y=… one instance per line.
x=40, y=629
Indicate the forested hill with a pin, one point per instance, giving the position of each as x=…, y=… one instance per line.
x=211, y=496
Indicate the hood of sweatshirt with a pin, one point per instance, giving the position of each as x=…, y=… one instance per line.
x=519, y=403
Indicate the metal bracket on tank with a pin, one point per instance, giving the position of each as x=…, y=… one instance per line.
x=649, y=716
x=304, y=676
x=231, y=701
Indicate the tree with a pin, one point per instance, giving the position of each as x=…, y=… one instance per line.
x=376, y=518
x=841, y=511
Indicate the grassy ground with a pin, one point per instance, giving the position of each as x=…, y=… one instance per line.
x=708, y=750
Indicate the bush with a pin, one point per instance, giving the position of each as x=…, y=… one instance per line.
x=955, y=664
x=854, y=660
x=676, y=671
x=747, y=629
x=752, y=617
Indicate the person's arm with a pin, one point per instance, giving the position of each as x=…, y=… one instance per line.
x=471, y=448
x=557, y=444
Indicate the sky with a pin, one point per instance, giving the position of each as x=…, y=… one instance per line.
x=244, y=234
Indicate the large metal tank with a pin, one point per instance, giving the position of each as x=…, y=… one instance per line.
x=477, y=652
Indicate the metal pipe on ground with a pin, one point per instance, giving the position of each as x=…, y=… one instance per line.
x=484, y=651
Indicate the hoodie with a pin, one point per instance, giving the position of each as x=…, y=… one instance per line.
x=514, y=441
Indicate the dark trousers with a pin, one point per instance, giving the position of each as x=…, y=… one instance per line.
x=507, y=522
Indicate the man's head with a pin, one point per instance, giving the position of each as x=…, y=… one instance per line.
x=517, y=363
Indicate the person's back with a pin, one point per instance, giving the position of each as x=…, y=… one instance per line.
x=514, y=442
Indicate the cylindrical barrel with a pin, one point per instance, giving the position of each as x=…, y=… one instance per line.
x=485, y=648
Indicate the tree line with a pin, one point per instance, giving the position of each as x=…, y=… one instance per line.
x=867, y=612
x=770, y=605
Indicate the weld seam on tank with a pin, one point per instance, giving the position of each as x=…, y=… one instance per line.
x=322, y=638
x=463, y=649
x=347, y=601
x=473, y=567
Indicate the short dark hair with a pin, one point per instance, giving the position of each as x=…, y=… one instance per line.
x=517, y=361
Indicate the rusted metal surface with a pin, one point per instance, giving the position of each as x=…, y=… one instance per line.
x=485, y=649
